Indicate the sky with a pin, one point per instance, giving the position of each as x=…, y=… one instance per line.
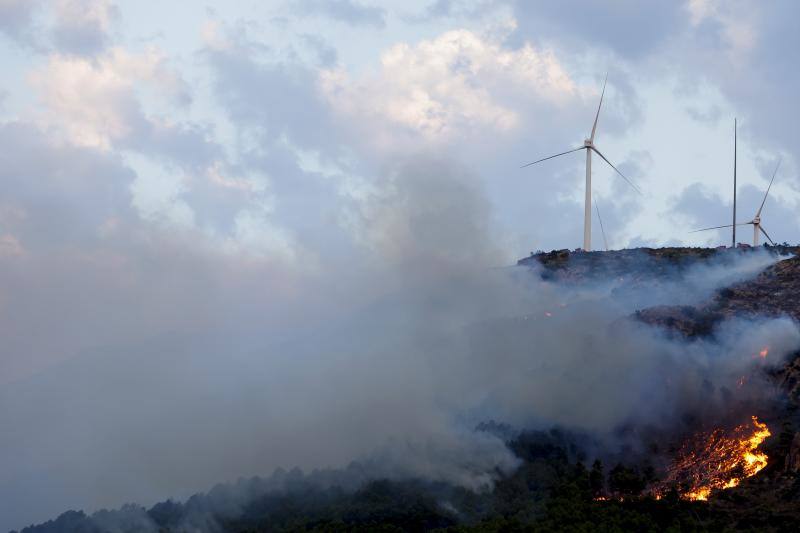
x=232, y=119
x=179, y=167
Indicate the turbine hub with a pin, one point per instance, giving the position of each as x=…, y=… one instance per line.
x=587, y=143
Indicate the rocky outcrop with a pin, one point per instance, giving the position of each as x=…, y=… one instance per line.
x=774, y=292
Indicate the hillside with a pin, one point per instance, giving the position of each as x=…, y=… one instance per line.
x=775, y=292
x=562, y=482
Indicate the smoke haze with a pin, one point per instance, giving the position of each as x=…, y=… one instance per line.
x=191, y=365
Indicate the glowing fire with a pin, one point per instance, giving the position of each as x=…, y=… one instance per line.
x=717, y=460
x=763, y=353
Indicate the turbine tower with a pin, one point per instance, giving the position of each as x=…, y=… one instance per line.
x=756, y=222
x=602, y=230
x=590, y=147
x=733, y=221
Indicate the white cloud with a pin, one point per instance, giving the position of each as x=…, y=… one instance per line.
x=450, y=86
x=94, y=102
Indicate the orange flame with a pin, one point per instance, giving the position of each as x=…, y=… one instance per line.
x=763, y=353
x=717, y=460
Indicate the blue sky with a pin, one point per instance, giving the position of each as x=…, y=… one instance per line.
x=248, y=167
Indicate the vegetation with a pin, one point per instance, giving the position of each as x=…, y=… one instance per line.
x=552, y=490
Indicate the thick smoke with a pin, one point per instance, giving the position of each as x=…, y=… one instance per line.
x=389, y=352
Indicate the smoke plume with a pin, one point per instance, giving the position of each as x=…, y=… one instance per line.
x=389, y=351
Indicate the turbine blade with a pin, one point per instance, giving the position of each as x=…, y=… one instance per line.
x=635, y=188
x=597, y=116
x=552, y=156
x=720, y=227
x=767, y=236
x=602, y=230
x=768, y=188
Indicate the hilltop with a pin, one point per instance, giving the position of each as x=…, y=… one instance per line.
x=635, y=263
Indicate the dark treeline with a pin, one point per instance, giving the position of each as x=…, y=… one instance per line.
x=552, y=490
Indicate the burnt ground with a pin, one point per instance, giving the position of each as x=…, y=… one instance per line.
x=636, y=263
x=774, y=292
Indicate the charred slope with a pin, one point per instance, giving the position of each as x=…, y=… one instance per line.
x=633, y=264
x=775, y=292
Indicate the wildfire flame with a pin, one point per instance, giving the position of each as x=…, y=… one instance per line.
x=717, y=460
x=763, y=353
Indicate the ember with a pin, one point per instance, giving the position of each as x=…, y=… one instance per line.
x=716, y=460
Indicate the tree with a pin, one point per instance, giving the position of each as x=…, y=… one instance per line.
x=596, y=478
x=625, y=481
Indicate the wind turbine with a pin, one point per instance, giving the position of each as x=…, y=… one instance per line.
x=589, y=146
x=756, y=222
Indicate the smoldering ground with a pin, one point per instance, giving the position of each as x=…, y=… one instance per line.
x=389, y=351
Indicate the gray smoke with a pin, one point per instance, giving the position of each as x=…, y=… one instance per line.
x=389, y=351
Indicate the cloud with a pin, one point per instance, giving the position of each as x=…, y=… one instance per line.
x=82, y=26
x=48, y=186
x=751, y=68
x=454, y=85
x=326, y=53
x=100, y=103
x=704, y=208
x=277, y=97
x=630, y=29
x=94, y=102
x=466, y=9
x=17, y=21
x=79, y=27
x=463, y=93
x=348, y=11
